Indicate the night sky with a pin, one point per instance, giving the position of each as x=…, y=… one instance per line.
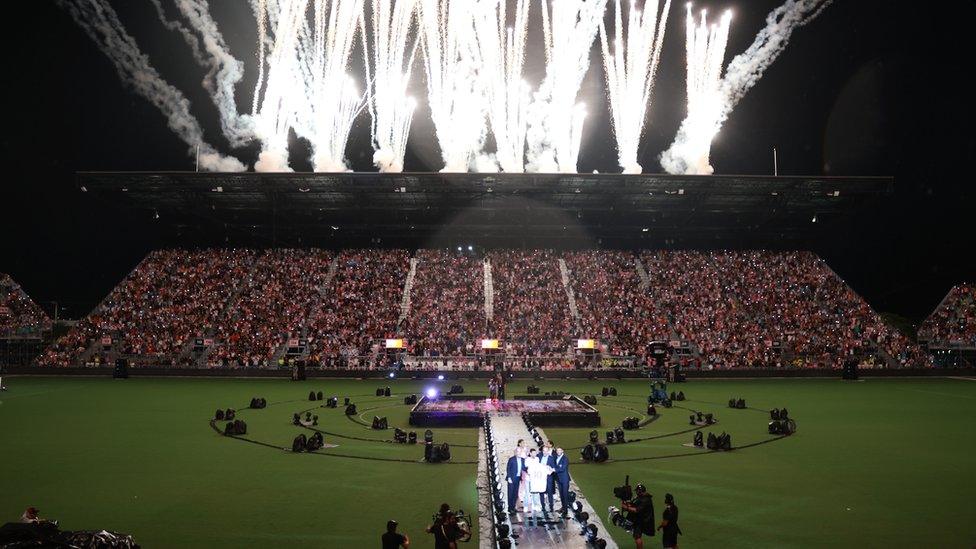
x=869, y=88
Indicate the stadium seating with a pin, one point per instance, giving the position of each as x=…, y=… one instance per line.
x=953, y=323
x=275, y=301
x=759, y=308
x=19, y=315
x=531, y=313
x=612, y=307
x=447, y=313
x=171, y=296
x=361, y=305
x=732, y=309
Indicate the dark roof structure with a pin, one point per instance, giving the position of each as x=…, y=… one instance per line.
x=496, y=210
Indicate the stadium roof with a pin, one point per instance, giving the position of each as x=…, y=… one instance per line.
x=417, y=209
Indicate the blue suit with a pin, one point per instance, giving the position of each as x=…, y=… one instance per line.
x=549, y=460
x=561, y=465
x=513, y=475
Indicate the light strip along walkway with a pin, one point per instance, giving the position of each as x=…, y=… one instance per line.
x=508, y=428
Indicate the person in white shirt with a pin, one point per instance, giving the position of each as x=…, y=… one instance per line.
x=538, y=476
x=524, y=486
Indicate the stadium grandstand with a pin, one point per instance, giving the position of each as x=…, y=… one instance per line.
x=950, y=331
x=24, y=326
x=244, y=308
x=19, y=315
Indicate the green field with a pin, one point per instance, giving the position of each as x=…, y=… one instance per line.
x=878, y=463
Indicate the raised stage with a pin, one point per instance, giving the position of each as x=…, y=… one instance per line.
x=469, y=411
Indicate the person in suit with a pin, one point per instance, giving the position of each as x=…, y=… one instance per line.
x=513, y=474
x=546, y=458
x=561, y=476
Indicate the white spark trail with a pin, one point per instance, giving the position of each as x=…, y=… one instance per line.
x=390, y=106
x=630, y=68
x=455, y=97
x=501, y=57
x=100, y=22
x=555, y=119
x=276, y=106
x=335, y=102
x=705, y=48
x=224, y=71
x=715, y=99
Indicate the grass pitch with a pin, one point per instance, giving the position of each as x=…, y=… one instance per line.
x=878, y=463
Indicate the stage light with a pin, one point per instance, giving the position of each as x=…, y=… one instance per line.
x=392, y=375
x=431, y=393
x=459, y=248
x=440, y=377
x=470, y=248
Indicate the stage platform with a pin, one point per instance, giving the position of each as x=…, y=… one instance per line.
x=469, y=411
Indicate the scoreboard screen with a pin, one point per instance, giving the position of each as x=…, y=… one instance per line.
x=489, y=344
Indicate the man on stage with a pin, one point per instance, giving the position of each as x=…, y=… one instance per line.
x=561, y=466
x=513, y=474
x=546, y=458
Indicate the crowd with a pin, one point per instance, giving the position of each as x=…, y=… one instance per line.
x=734, y=309
x=447, y=304
x=954, y=321
x=276, y=298
x=19, y=315
x=360, y=307
x=169, y=298
x=760, y=309
x=612, y=306
x=530, y=309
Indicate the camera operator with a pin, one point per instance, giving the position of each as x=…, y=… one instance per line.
x=669, y=523
x=642, y=508
x=394, y=540
x=446, y=531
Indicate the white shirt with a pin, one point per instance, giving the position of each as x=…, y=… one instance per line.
x=538, y=475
